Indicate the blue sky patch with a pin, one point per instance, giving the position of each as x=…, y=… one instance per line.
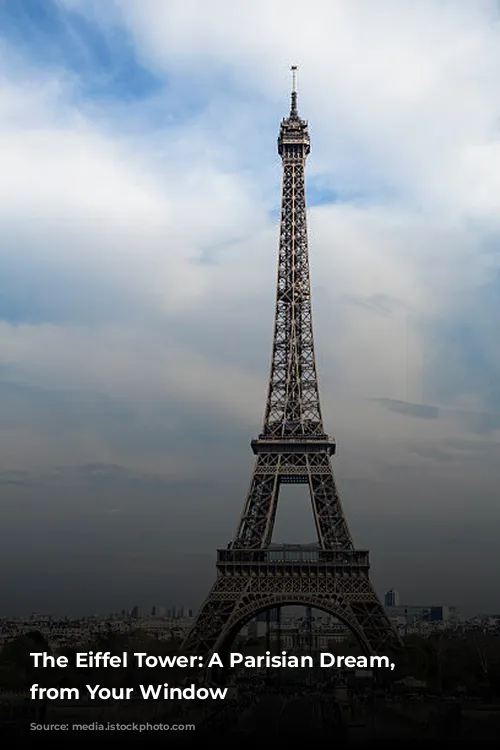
x=105, y=63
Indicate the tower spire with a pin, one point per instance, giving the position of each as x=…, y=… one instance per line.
x=293, y=109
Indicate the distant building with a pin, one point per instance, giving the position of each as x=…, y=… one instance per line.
x=272, y=614
x=158, y=612
x=413, y=613
x=391, y=598
x=179, y=613
x=137, y=613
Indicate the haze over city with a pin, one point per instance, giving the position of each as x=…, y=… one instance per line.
x=139, y=210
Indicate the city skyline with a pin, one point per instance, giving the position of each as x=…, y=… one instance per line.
x=139, y=216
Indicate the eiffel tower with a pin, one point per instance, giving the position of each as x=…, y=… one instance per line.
x=252, y=574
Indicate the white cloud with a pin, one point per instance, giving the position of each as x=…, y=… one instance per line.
x=149, y=225
x=403, y=100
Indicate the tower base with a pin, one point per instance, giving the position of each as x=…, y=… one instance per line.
x=252, y=581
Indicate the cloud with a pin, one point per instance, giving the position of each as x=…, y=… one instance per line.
x=421, y=411
x=138, y=200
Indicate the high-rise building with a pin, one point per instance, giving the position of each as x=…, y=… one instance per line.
x=158, y=611
x=272, y=615
x=391, y=598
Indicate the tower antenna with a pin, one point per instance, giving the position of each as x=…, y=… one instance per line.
x=293, y=109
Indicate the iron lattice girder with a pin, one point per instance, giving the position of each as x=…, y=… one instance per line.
x=273, y=469
x=237, y=597
x=285, y=444
x=293, y=405
x=293, y=448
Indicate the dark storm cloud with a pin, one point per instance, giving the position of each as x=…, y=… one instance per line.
x=421, y=411
x=96, y=533
x=478, y=423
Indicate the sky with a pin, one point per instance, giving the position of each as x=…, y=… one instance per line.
x=139, y=212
